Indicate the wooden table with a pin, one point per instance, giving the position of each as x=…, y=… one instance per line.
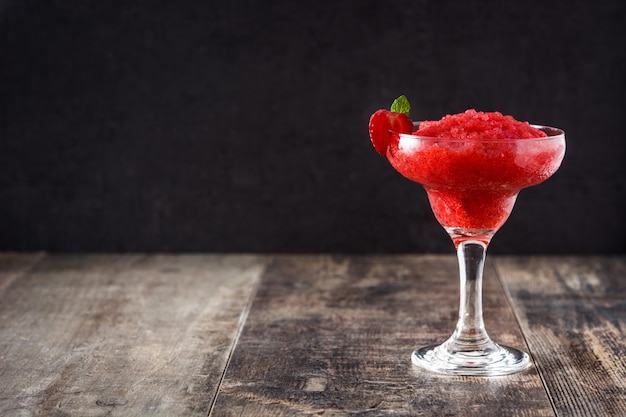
x=310, y=335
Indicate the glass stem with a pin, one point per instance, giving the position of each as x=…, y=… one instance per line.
x=470, y=329
x=470, y=350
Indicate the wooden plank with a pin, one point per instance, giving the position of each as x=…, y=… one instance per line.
x=333, y=336
x=573, y=313
x=121, y=335
x=15, y=265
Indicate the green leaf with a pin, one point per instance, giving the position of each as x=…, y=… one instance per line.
x=401, y=105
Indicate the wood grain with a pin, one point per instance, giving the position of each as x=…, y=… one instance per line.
x=332, y=336
x=326, y=335
x=573, y=313
x=121, y=335
x=15, y=265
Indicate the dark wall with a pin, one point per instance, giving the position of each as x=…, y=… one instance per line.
x=242, y=125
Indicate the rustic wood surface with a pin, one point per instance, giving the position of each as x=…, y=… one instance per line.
x=120, y=335
x=247, y=335
x=573, y=313
x=14, y=265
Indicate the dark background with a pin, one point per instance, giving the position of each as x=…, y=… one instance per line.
x=242, y=125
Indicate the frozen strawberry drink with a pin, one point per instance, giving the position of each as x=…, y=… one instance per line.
x=472, y=166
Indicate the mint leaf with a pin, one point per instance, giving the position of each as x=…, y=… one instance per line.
x=401, y=105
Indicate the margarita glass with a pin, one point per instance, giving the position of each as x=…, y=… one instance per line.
x=472, y=186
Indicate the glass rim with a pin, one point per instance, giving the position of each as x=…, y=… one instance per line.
x=553, y=133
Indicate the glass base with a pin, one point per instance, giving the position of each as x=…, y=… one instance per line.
x=488, y=360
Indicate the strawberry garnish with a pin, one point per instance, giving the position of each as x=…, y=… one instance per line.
x=383, y=124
